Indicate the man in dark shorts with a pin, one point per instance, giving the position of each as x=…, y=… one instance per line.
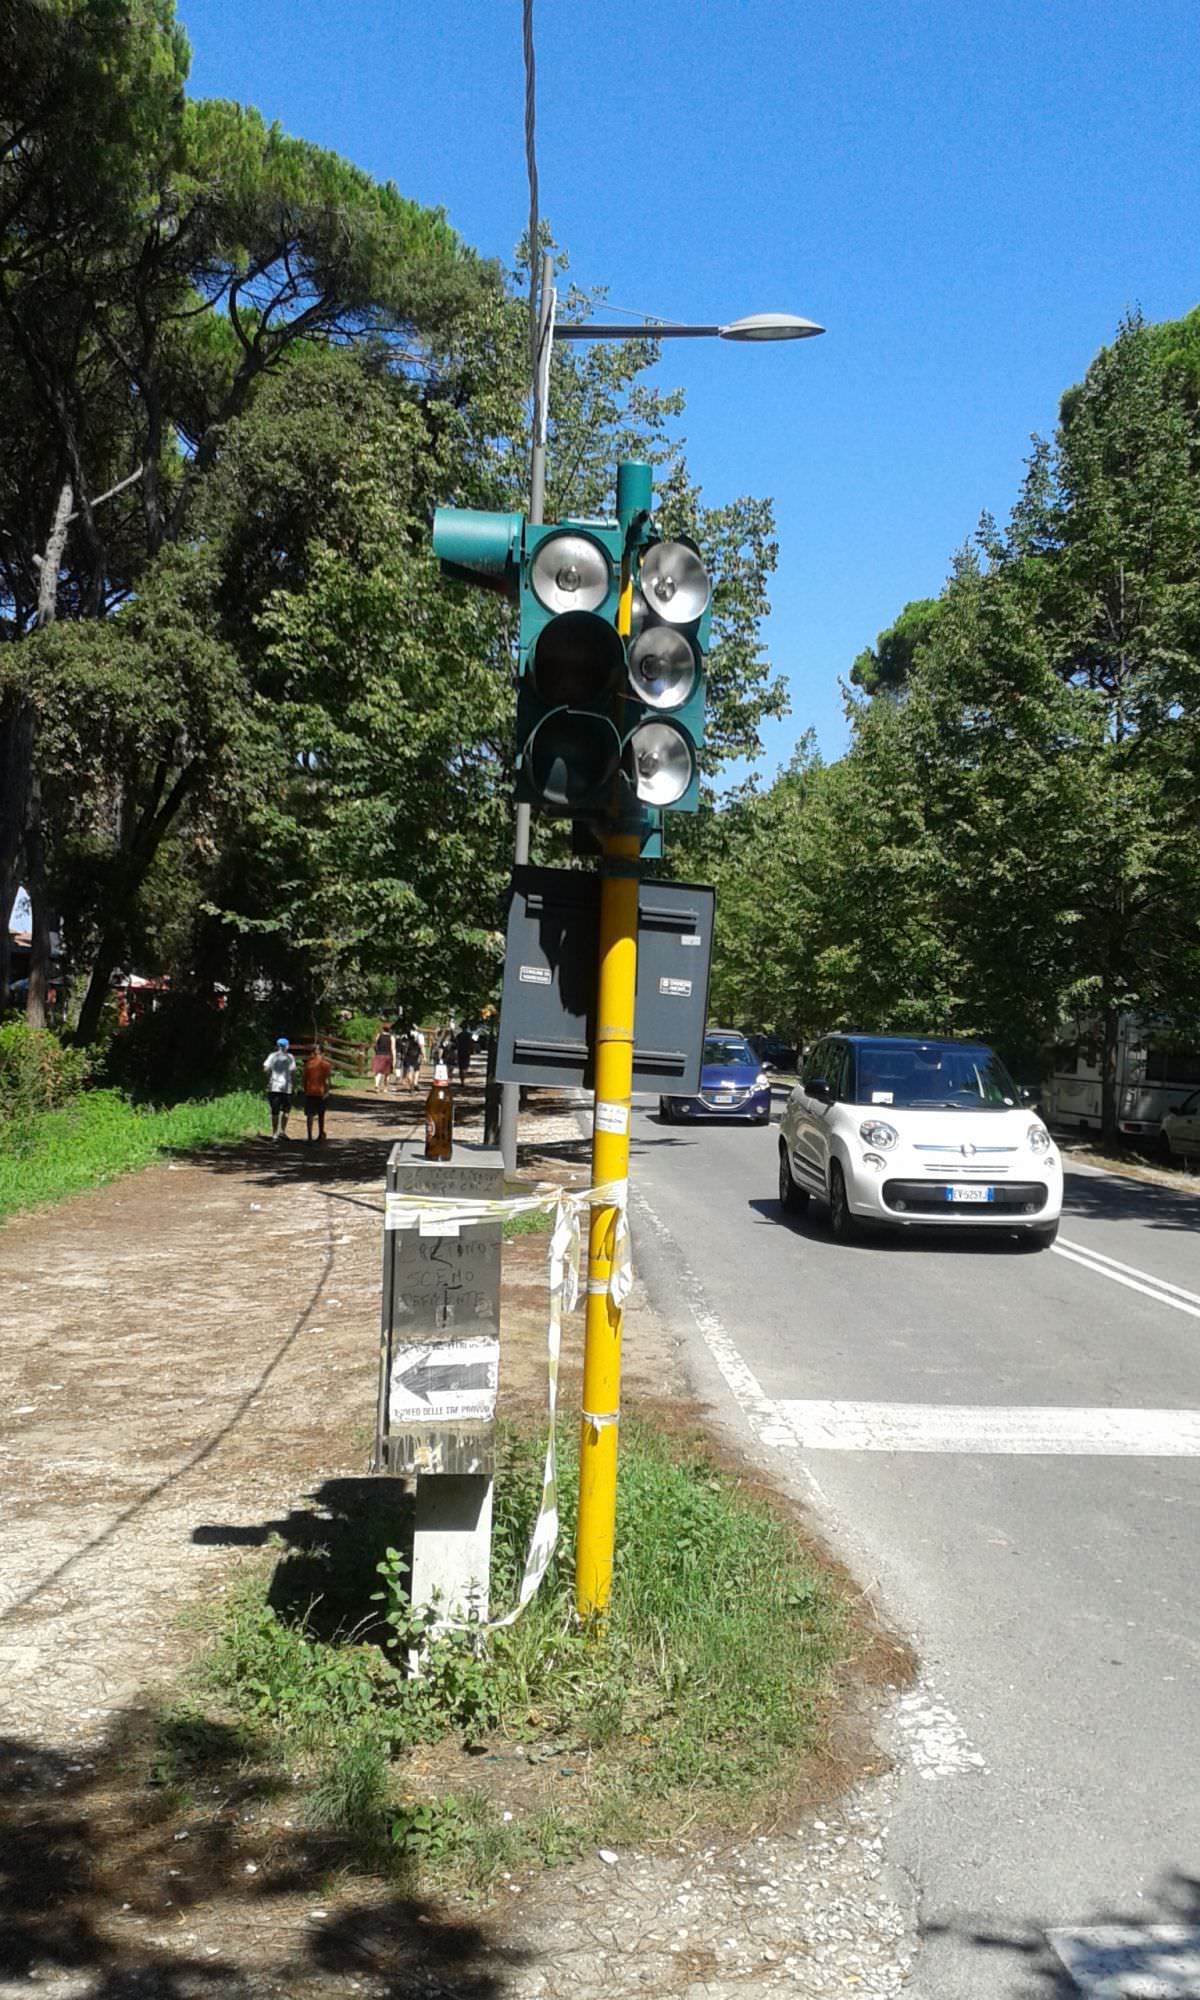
x=280, y=1067
x=317, y=1071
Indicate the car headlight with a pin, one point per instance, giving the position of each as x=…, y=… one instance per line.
x=877, y=1132
x=761, y=1079
x=1038, y=1138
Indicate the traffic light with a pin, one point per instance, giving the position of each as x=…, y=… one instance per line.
x=610, y=707
x=572, y=670
x=664, y=731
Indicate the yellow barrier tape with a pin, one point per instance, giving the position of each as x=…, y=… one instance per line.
x=443, y=1215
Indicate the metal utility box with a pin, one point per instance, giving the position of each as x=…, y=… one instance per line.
x=439, y=1353
x=550, y=967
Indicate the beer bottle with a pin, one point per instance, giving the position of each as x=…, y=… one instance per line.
x=439, y=1116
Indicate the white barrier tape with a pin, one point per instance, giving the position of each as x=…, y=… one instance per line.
x=600, y=1423
x=446, y=1214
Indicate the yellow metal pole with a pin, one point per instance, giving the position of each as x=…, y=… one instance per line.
x=610, y=1162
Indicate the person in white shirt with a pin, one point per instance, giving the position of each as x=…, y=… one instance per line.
x=280, y=1067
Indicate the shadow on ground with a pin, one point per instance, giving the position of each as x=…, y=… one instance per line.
x=964, y=1241
x=1112, y=1198
x=331, y=1550
x=1112, y=1951
x=132, y=1888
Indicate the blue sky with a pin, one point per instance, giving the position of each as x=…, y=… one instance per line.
x=967, y=196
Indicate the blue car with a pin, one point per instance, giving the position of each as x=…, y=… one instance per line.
x=733, y=1083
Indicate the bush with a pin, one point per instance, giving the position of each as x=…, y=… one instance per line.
x=185, y=1048
x=360, y=1028
x=36, y=1073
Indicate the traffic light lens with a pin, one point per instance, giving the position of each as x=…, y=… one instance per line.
x=577, y=658
x=663, y=763
x=662, y=667
x=571, y=757
x=675, y=582
x=570, y=573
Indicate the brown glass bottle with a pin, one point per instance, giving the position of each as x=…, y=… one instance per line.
x=439, y=1117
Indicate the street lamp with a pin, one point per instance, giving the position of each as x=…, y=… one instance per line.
x=753, y=326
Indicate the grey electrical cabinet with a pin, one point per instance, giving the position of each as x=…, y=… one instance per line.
x=550, y=971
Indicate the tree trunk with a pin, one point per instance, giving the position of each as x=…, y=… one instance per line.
x=103, y=966
x=35, y=883
x=16, y=763
x=1108, y=1076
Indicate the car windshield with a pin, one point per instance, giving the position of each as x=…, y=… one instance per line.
x=727, y=1049
x=953, y=1075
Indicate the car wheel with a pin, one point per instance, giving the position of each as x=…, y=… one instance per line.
x=793, y=1200
x=841, y=1222
x=1039, y=1239
x=665, y=1113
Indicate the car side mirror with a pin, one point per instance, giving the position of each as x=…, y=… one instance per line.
x=819, y=1089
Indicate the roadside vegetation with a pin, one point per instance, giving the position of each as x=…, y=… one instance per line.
x=705, y=1697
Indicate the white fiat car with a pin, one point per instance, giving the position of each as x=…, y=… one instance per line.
x=899, y=1129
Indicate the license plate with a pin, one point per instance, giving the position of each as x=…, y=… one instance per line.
x=723, y=1097
x=965, y=1193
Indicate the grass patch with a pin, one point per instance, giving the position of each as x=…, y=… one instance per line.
x=100, y=1135
x=532, y=1222
x=703, y=1697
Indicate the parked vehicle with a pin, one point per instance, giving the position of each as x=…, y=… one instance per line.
x=733, y=1083
x=774, y=1053
x=899, y=1130
x=1152, y=1079
x=1180, y=1129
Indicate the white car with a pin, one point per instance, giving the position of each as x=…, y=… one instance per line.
x=1180, y=1128
x=900, y=1129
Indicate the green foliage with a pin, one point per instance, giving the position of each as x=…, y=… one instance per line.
x=37, y=1073
x=99, y=1135
x=1010, y=840
x=708, y=1680
x=360, y=1028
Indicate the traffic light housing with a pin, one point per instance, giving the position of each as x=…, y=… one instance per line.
x=665, y=696
x=614, y=628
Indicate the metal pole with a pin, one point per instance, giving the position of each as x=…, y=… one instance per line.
x=615, y=998
x=610, y=1162
x=510, y=1092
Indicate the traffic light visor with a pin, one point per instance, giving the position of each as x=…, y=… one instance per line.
x=478, y=547
x=571, y=759
x=577, y=658
x=674, y=583
x=662, y=667
x=570, y=572
x=664, y=763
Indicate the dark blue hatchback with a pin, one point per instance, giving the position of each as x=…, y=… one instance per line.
x=733, y=1083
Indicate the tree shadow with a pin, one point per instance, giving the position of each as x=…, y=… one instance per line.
x=1109, y=1951
x=1112, y=1198
x=149, y=1865
x=328, y=1570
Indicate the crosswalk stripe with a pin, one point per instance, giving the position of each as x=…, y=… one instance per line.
x=1015, y=1430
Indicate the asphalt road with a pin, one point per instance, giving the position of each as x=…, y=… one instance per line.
x=1020, y=1494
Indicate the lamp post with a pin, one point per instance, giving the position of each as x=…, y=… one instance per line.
x=753, y=327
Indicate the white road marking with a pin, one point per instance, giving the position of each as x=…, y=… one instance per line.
x=1120, y=1961
x=996, y=1428
x=1128, y=1274
x=937, y=1744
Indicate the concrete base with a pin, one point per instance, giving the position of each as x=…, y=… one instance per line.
x=452, y=1544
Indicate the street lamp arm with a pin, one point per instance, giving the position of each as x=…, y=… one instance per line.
x=567, y=330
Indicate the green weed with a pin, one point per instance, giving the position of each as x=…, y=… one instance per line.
x=99, y=1136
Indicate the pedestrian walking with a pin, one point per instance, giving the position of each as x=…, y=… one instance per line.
x=280, y=1067
x=383, y=1056
x=464, y=1049
x=317, y=1071
x=410, y=1060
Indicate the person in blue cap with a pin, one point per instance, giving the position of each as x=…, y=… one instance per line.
x=280, y=1067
